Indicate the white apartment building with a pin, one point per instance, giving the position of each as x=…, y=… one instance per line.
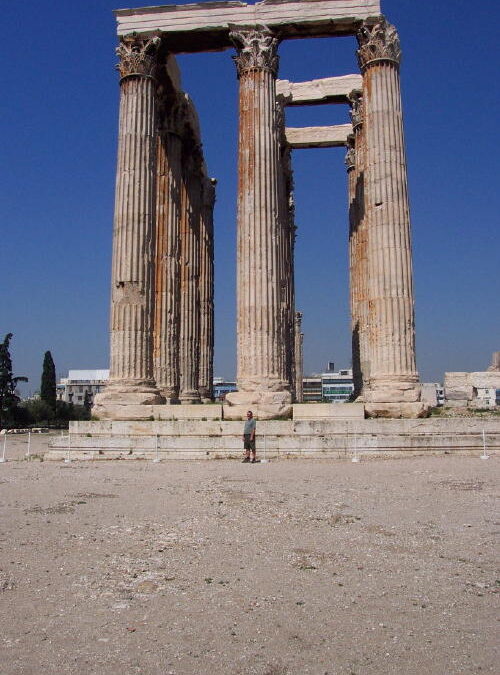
x=72, y=389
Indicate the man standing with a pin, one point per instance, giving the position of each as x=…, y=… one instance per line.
x=249, y=438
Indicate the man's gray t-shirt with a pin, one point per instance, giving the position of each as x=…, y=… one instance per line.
x=249, y=427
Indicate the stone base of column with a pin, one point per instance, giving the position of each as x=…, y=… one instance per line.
x=205, y=395
x=170, y=396
x=392, y=390
x=265, y=405
x=126, y=401
x=394, y=397
x=189, y=397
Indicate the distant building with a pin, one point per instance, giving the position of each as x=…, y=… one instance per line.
x=72, y=389
x=311, y=389
x=329, y=387
x=221, y=387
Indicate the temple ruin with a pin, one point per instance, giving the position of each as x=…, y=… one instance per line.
x=162, y=335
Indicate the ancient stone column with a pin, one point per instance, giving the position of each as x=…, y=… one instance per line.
x=357, y=245
x=167, y=268
x=261, y=376
x=189, y=351
x=393, y=388
x=286, y=250
x=350, y=162
x=131, y=382
x=299, y=358
x=288, y=267
x=207, y=290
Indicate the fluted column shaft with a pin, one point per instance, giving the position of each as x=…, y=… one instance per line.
x=260, y=358
x=299, y=358
x=393, y=376
x=355, y=163
x=131, y=367
x=207, y=290
x=167, y=305
x=352, y=177
x=189, y=352
x=287, y=266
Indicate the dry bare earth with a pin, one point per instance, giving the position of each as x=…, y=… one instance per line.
x=282, y=568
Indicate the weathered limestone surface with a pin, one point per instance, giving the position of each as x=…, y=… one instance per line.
x=324, y=90
x=131, y=369
x=207, y=25
x=318, y=137
x=261, y=372
x=393, y=376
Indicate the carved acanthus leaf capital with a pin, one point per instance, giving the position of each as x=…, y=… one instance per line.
x=356, y=110
x=257, y=49
x=350, y=157
x=378, y=41
x=138, y=56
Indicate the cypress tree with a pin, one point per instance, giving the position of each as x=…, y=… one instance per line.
x=8, y=383
x=48, y=384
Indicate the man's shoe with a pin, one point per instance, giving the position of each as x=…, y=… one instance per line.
x=255, y=461
x=246, y=460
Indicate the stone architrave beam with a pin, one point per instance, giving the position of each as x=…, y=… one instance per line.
x=205, y=26
x=318, y=137
x=314, y=92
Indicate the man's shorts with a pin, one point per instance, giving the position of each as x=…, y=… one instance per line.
x=248, y=444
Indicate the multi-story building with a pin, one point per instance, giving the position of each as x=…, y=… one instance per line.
x=329, y=387
x=311, y=389
x=72, y=389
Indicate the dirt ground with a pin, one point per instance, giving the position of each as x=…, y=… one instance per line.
x=289, y=567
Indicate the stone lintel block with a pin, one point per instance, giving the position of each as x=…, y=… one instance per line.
x=318, y=137
x=314, y=411
x=205, y=26
x=324, y=90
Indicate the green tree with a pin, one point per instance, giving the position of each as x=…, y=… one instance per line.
x=8, y=383
x=39, y=411
x=48, y=385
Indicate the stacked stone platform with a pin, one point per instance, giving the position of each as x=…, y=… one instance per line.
x=183, y=439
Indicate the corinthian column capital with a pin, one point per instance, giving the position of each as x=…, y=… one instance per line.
x=378, y=42
x=137, y=56
x=257, y=49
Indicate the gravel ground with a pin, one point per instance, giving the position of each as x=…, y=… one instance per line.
x=289, y=567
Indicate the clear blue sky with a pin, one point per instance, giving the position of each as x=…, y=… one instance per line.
x=58, y=126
